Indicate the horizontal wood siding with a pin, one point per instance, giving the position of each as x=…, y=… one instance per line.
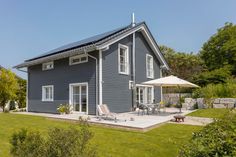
x=61, y=76
x=116, y=92
x=142, y=48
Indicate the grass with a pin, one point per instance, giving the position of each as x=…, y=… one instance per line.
x=209, y=113
x=163, y=141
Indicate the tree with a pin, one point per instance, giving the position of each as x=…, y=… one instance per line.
x=21, y=93
x=183, y=65
x=216, y=76
x=220, y=50
x=8, y=87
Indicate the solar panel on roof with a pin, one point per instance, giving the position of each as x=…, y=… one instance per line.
x=80, y=43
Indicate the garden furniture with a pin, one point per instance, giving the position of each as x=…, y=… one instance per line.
x=179, y=118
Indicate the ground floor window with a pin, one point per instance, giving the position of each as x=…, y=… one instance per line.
x=47, y=93
x=144, y=94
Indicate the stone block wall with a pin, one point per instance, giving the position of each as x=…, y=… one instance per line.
x=224, y=103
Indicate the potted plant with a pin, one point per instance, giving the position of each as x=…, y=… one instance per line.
x=64, y=109
x=162, y=106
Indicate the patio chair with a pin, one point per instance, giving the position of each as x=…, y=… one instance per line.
x=156, y=108
x=105, y=113
x=142, y=109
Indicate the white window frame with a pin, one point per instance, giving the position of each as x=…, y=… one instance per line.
x=44, y=93
x=120, y=46
x=44, y=66
x=151, y=70
x=78, y=57
x=145, y=92
x=71, y=94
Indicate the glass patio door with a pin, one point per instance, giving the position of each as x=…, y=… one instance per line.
x=79, y=97
x=144, y=94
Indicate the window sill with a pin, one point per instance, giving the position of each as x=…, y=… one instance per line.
x=150, y=77
x=47, y=100
x=47, y=69
x=123, y=73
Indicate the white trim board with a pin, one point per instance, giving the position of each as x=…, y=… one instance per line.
x=100, y=78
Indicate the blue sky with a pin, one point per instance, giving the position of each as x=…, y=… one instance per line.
x=29, y=28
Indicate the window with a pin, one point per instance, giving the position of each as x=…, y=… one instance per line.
x=78, y=59
x=149, y=66
x=47, y=93
x=144, y=94
x=47, y=66
x=123, y=59
x=149, y=95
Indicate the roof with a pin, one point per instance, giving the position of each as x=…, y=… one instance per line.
x=77, y=44
x=93, y=43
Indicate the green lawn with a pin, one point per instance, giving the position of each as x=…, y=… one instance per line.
x=209, y=113
x=163, y=141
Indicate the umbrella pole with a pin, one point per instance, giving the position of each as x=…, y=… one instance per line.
x=180, y=106
x=161, y=94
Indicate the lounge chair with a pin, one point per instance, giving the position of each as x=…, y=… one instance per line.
x=104, y=112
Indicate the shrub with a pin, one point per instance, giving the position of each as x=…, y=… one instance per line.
x=27, y=144
x=64, y=108
x=20, y=110
x=21, y=93
x=195, y=106
x=12, y=105
x=226, y=90
x=58, y=142
x=168, y=104
x=216, y=139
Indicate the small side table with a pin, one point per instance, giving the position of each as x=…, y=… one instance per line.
x=179, y=118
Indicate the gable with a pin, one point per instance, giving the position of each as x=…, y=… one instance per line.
x=147, y=36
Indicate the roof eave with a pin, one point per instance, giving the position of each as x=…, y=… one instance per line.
x=64, y=54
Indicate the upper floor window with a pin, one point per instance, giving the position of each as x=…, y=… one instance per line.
x=123, y=59
x=47, y=66
x=78, y=59
x=47, y=93
x=149, y=66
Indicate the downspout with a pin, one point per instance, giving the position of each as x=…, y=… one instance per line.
x=100, y=78
x=96, y=60
x=134, y=70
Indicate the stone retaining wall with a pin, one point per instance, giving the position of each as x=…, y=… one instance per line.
x=190, y=103
x=224, y=103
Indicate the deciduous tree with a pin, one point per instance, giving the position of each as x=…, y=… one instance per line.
x=220, y=50
x=8, y=87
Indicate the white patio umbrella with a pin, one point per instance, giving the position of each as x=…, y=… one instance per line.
x=170, y=81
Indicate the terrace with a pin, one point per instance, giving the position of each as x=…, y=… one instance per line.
x=129, y=120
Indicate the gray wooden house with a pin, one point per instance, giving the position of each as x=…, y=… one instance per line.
x=104, y=69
